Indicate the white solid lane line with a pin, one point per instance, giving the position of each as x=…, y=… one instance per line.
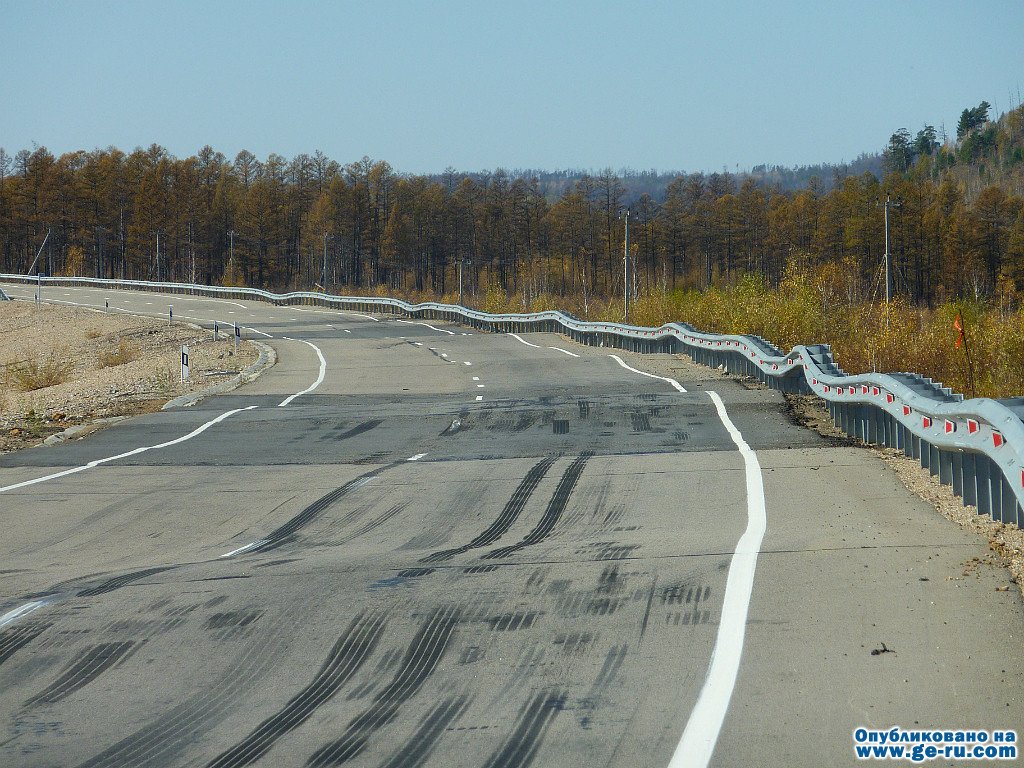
x=319, y=378
x=96, y=462
x=428, y=325
x=701, y=733
x=520, y=338
x=666, y=379
x=417, y=457
x=21, y=610
x=564, y=351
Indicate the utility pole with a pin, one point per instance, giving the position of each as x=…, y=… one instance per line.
x=625, y=270
x=158, y=255
x=323, y=273
x=889, y=203
x=462, y=261
x=231, y=249
x=191, y=254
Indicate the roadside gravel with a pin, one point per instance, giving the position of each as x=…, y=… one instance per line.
x=1005, y=540
x=113, y=365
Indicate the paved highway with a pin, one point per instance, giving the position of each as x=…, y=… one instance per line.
x=410, y=544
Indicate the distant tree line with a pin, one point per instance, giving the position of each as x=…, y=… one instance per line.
x=296, y=223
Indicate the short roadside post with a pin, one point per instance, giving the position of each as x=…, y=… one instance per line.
x=184, y=364
x=238, y=335
x=216, y=331
x=170, y=315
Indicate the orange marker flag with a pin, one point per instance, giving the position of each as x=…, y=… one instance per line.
x=959, y=325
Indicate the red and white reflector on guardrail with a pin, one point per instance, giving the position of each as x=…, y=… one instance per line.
x=889, y=397
x=826, y=388
x=926, y=421
x=950, y=426
x=875, y=391
x=906, y=410
x=853, y=390
x=997, y=439
x=863, y=389
x=972, y=426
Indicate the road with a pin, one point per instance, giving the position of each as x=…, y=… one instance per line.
x=410, y=544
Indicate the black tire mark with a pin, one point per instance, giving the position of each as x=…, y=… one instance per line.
x=535, y=718
x=347, y=656
x=421, y=659
x=612, y=664
x=375, y=523
x=509, y=514
x=176, y=729
x=366, y=426
x=556, y=506
x=415, y=753
x=279, y=535
x=119, y=581
x=14, y=639
x=83, y=671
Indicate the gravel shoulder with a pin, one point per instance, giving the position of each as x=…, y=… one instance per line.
x=63, y=367
x=1005, y=540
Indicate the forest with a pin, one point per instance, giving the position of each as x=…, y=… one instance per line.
x=528, y=241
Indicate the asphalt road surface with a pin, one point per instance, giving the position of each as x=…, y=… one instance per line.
x=410, y=544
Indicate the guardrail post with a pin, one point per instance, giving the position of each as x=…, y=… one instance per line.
x=970, y=479
x=981, y=484
x=956, y=461
x=995, y=489
x=933, y=459
x=945, y=467
x=1009, y=505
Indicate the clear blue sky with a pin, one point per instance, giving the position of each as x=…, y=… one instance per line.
x=675, y=85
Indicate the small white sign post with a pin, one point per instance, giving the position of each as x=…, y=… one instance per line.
x=184, y=364
x=238, y=335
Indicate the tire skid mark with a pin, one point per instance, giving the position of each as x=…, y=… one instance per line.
x=83, y=671
x=119, y=581
x=378, y=521
x=279, y=535
x=520, y=748
x=556, y=506
x=176, y=729
x=612, y=665
x=509, y=514
x=415, y=752
x=14, y=639
x=421, y=659
x=346, y=658
x=359, y=429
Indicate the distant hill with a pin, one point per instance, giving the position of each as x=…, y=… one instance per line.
x=553, y=184
x=986, y=152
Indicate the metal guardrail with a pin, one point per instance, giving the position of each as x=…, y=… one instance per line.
x=4, y=296
x=977, y=446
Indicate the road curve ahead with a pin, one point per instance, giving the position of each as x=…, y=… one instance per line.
x=410, y=544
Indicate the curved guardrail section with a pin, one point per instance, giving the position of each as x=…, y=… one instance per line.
x=977, y=446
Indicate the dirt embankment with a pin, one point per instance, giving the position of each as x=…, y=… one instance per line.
x=62, y=366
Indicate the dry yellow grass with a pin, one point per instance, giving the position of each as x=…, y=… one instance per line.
x=35, y=373
x=123, y=353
